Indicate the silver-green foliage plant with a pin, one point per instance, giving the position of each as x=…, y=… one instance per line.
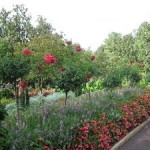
x=39, y=99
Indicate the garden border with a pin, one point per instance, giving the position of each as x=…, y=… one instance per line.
x=130, y=134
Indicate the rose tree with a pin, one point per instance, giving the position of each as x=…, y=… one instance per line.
x=73, y=73
x=12, y=68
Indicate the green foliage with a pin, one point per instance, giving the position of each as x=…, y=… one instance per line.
x=142, y=45
x=112, y=43
x=134, y=77
x=128, y=73
x=71, y=79
x=15, y=25
x=131, y=47
x=147, y=78
x=119, y=45
x=77, y=66
x=113, y=79
x=13, y=68
x=3, y=112
x=105, y=61
x=43, y=27
x=132, y=74
x=6, y=93
x=6, y=101
x=92, y=85
x=4, y=138
x=5, y=48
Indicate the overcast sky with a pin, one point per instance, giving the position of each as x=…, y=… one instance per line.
x=88, y=22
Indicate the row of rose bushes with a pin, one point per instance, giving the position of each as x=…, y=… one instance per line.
x=102, y=134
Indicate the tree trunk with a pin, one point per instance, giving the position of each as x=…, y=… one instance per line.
x=22, y=98
x=40, y=85
x=66, y=96
x=27, y=97
x=17, y=103
x=89, y=94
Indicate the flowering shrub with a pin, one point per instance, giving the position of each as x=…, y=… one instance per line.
x=144, y=100
x=75, y=70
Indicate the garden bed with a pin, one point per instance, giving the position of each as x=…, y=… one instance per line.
x=96, y=124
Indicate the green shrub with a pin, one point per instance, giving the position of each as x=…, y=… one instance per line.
x=124, y=73
x=92, y=85
x=111, y=81
x=6, y=101
x=6, y=93
x=3, y=112
x=4, y=138
x=134, y=75
x=135, y=78
x=147, y=78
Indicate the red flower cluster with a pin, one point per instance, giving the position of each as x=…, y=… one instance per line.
x=49, y=59
x=144, y=100
x=78, y=48
x=92, y=58
x=88, y=76
x=62, y=68
x=22, y=84
x=26, y=51
x=68, y=42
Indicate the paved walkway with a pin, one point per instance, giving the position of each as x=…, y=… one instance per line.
x=141, y=141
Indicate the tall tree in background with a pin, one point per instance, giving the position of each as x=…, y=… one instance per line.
x=142, y=44
x=113, y=43
x=105, y=61
x=15, y=25
x=120, y=45
x=127, y=45
x=43, y=27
